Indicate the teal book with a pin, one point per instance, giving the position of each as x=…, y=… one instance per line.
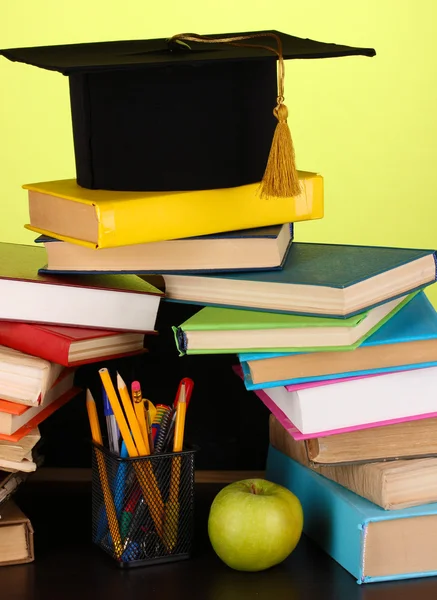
x=371, y=543
x=406, y=341
x=225, y=330
x=317, y=279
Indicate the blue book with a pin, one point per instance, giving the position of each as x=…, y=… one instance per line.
x=263, y=248
x=415, y=322
x=371, y=543
x=317, y=279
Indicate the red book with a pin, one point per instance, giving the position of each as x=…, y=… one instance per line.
x=117, y=302
x=69, y=346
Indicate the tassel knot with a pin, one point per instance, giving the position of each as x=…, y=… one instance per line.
x=280, y=177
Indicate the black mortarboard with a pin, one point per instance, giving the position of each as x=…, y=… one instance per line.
x=155, y=115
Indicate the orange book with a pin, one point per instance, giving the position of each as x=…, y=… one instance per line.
x=20, y=422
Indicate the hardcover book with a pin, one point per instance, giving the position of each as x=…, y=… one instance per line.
x=226, y=330
x=66, y=211
x=371, y=543
x=352, y=403
x=406, y=341
x=87, y=301
x=264, y=248
x=14, y=416
x=415, y=438
x=16, y=536
x=26, y=379
x=44, y=414
x=19, y=450
x=392, y=485
x=281, y=415
x=317, y=279
x=69, y=346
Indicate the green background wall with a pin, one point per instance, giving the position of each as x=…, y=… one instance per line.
x=369, y=126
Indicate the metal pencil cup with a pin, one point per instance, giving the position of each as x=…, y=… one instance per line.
x=142, y=508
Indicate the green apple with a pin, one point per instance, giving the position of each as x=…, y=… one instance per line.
x=254, y=524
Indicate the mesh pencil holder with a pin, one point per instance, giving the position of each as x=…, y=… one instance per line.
x=142, y=508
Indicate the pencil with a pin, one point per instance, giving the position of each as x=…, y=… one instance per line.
x=140, y=412
x=107, y=496
x=147, y=480
x=172, y=507
x=132, y=420
x=118, y=412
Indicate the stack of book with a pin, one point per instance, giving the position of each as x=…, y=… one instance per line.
x=339, y=341
x=75, y=297
x=38, y=361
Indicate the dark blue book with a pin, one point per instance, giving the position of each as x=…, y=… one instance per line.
x=263, y=248
x=317, y=279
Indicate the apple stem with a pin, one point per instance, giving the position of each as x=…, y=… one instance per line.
x=253, y=488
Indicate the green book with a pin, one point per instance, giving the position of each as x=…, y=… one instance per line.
x=227, y=331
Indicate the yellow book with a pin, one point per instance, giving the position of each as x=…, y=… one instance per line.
x=108, y=219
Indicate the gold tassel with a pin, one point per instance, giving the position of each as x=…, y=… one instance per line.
x=280, y=178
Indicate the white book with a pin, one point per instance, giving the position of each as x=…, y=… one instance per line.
x=11, y=419
x=25, y=379
x=360, y=401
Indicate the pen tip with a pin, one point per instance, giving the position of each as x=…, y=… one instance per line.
x=119, y=379
x=89, y=396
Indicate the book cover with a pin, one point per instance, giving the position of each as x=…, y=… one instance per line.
x=143, y=217
x=54, y=342
x=337, y=266
x=391, y=484
x=41, y=416
x=232, y=250
x=227, y=320
x=16, y=536
x=86, y=301
x=13, y=415
x=21, y=263
x=332, y=280
x=415, y=322
x=342, y=524
x=297, y=435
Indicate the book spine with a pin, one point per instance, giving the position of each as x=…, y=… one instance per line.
x=366, y=480
x=181, y=340
x=333, y=523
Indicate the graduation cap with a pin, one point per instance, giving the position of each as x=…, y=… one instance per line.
x=185, y=113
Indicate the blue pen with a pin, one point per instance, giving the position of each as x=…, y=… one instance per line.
x=120, y=481
x=111, y=424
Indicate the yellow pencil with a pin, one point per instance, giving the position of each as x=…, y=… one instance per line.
x=140, y=412
x=172, y=507
x=130, y=414
x=181, y=410
x=150, y=412
x=118, y=413
x=148, y=482
x=107, y=496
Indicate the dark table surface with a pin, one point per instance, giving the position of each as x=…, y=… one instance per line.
x=68, y=566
